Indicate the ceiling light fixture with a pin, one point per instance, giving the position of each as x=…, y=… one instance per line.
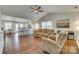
x=37, y=9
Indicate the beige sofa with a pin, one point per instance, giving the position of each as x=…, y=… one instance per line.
x=43, y=32
x=52, y=46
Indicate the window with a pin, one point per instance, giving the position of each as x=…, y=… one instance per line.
x=44, y=25
x=20, y=25
x=8, y=25
x=47, y=25
x=16, y=27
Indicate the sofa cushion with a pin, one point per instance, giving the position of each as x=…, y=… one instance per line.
x=52, y=37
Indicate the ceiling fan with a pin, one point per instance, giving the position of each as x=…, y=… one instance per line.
x=37, y=9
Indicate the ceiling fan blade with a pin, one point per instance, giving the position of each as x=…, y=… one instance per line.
x=40, y=10
x=39, y=7
x=36, y=7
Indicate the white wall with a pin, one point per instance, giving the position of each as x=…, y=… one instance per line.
x=62, y=16
x=74, y=22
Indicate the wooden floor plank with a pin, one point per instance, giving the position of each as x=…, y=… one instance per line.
x=70, y=47
x=15, y=44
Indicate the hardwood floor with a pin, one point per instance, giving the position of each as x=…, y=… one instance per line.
x=15, y=44
x=28, y=44
x=70, y=47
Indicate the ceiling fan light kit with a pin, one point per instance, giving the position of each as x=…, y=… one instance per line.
x=37, y=9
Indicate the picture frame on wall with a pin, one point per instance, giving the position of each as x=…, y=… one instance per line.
x=63, y=23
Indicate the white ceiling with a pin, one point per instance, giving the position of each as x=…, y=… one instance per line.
x=24, y=11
